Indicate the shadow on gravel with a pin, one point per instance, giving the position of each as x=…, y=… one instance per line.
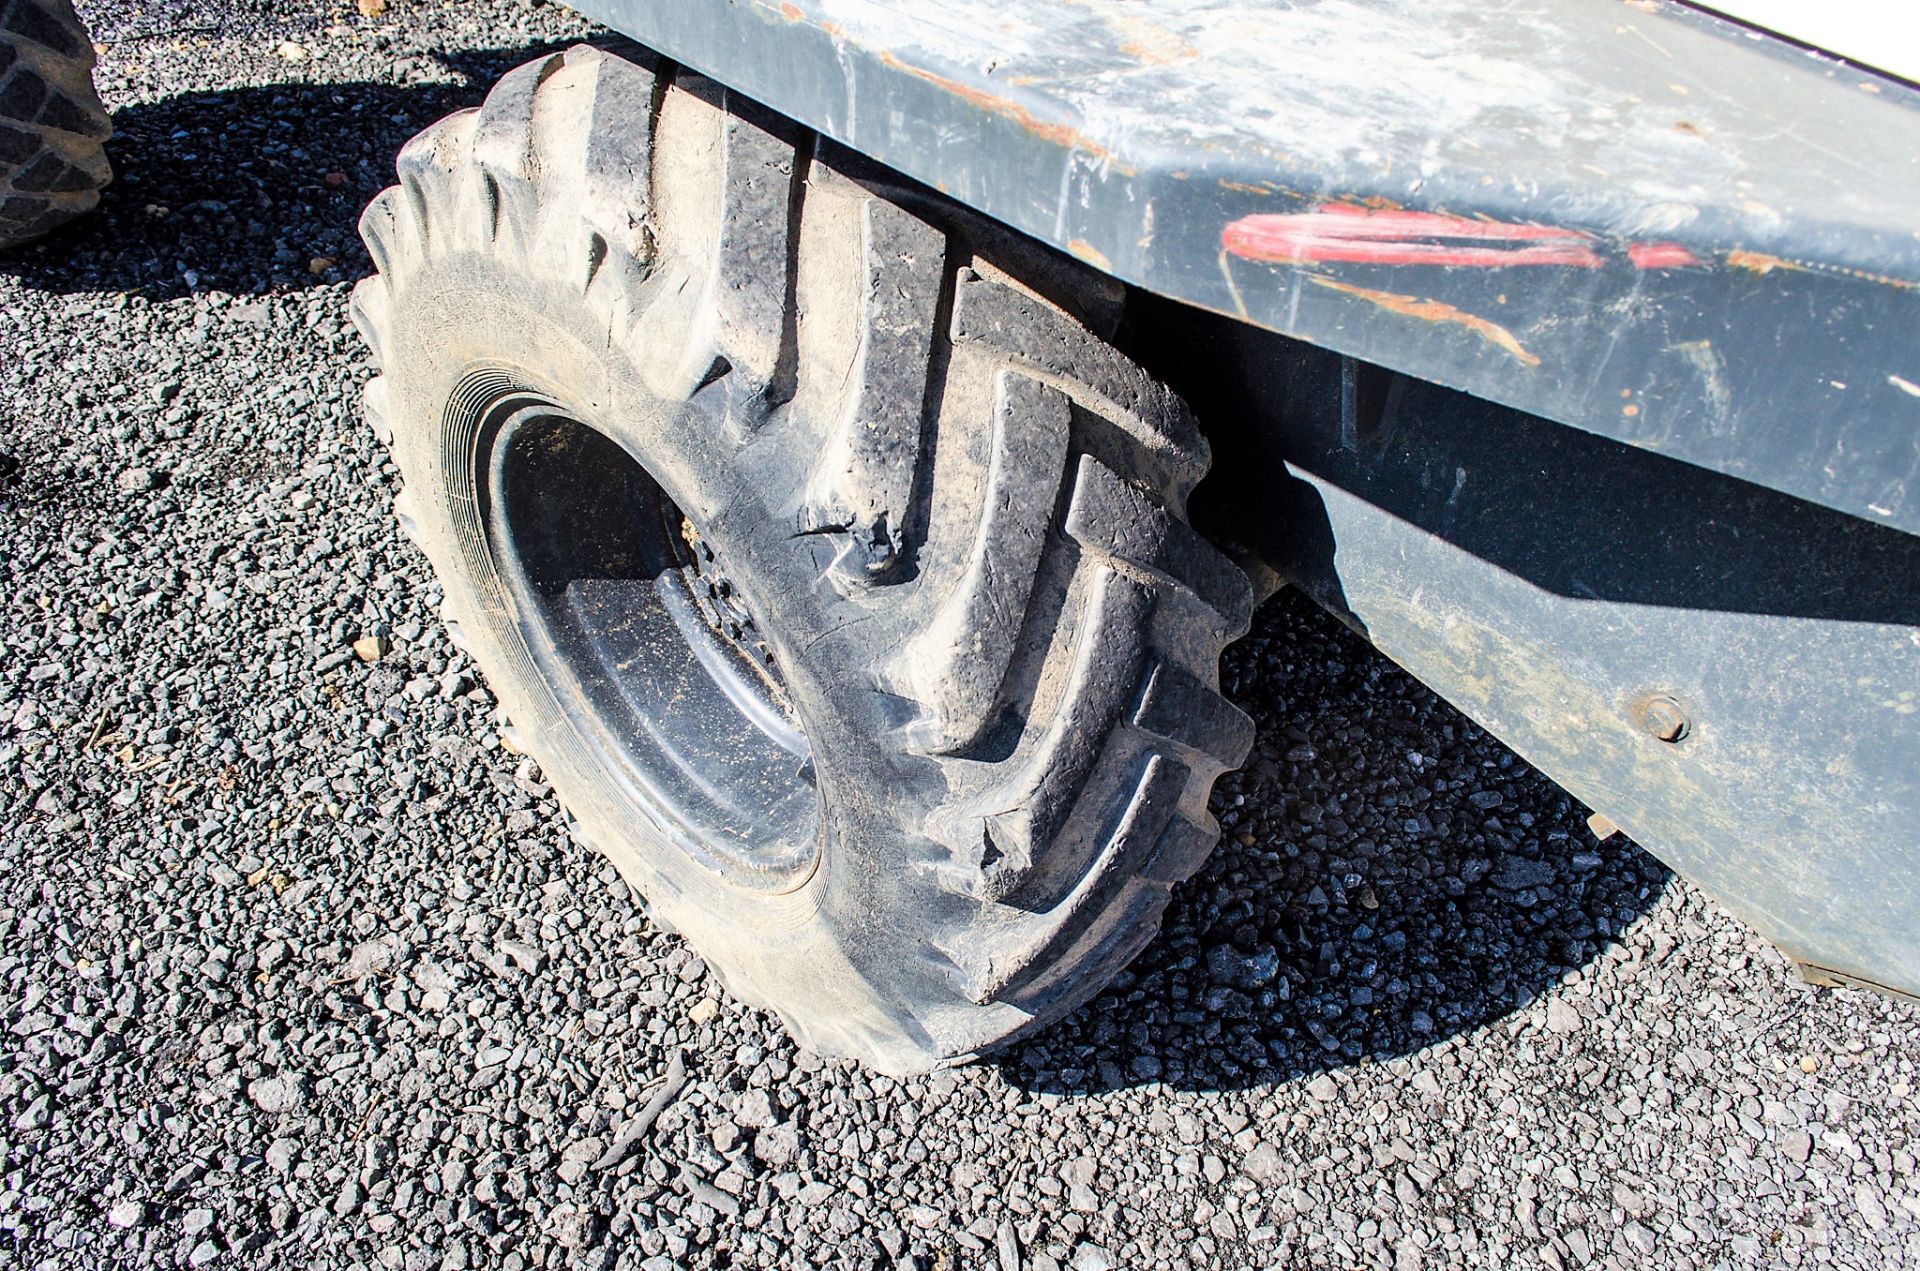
x=1389, y=876
x=249, y=190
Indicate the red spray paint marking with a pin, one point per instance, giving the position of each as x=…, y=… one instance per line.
x=1342, y=232
x=1660, y=256
x=1338, y=232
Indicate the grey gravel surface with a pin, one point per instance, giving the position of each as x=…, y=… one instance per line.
x=300, y=967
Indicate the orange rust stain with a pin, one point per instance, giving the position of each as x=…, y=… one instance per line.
x=1436, y=311
x=1761, y=263
x=1378, y=202
x=792, y=12
x=830, y=29
x=1148, y=44
x=1059, y=134
x=1088, y=252
x=1153, y=54
x=1244, y=188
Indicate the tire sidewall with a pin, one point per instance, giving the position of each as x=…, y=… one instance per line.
x=457, y=316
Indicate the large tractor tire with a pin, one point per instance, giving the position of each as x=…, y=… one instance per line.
x=828, y=559
x=52, y=125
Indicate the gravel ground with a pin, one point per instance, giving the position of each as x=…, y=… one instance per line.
x=301, y=968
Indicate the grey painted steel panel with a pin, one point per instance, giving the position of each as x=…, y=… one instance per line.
x=1632, y=217
x=1555, y=586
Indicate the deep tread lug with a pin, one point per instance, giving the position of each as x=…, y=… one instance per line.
x=1124, y=524
x=1177, y=707
x=998, y=962
x=1037, y=336
x=956, y=666
x=1007, y=834
x=863, y=488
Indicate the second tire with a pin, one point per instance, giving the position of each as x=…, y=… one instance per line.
x=52, y=125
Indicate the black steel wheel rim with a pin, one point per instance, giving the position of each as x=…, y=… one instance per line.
x=646, y=643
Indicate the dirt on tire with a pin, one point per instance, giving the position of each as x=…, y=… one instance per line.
x=953, y=511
